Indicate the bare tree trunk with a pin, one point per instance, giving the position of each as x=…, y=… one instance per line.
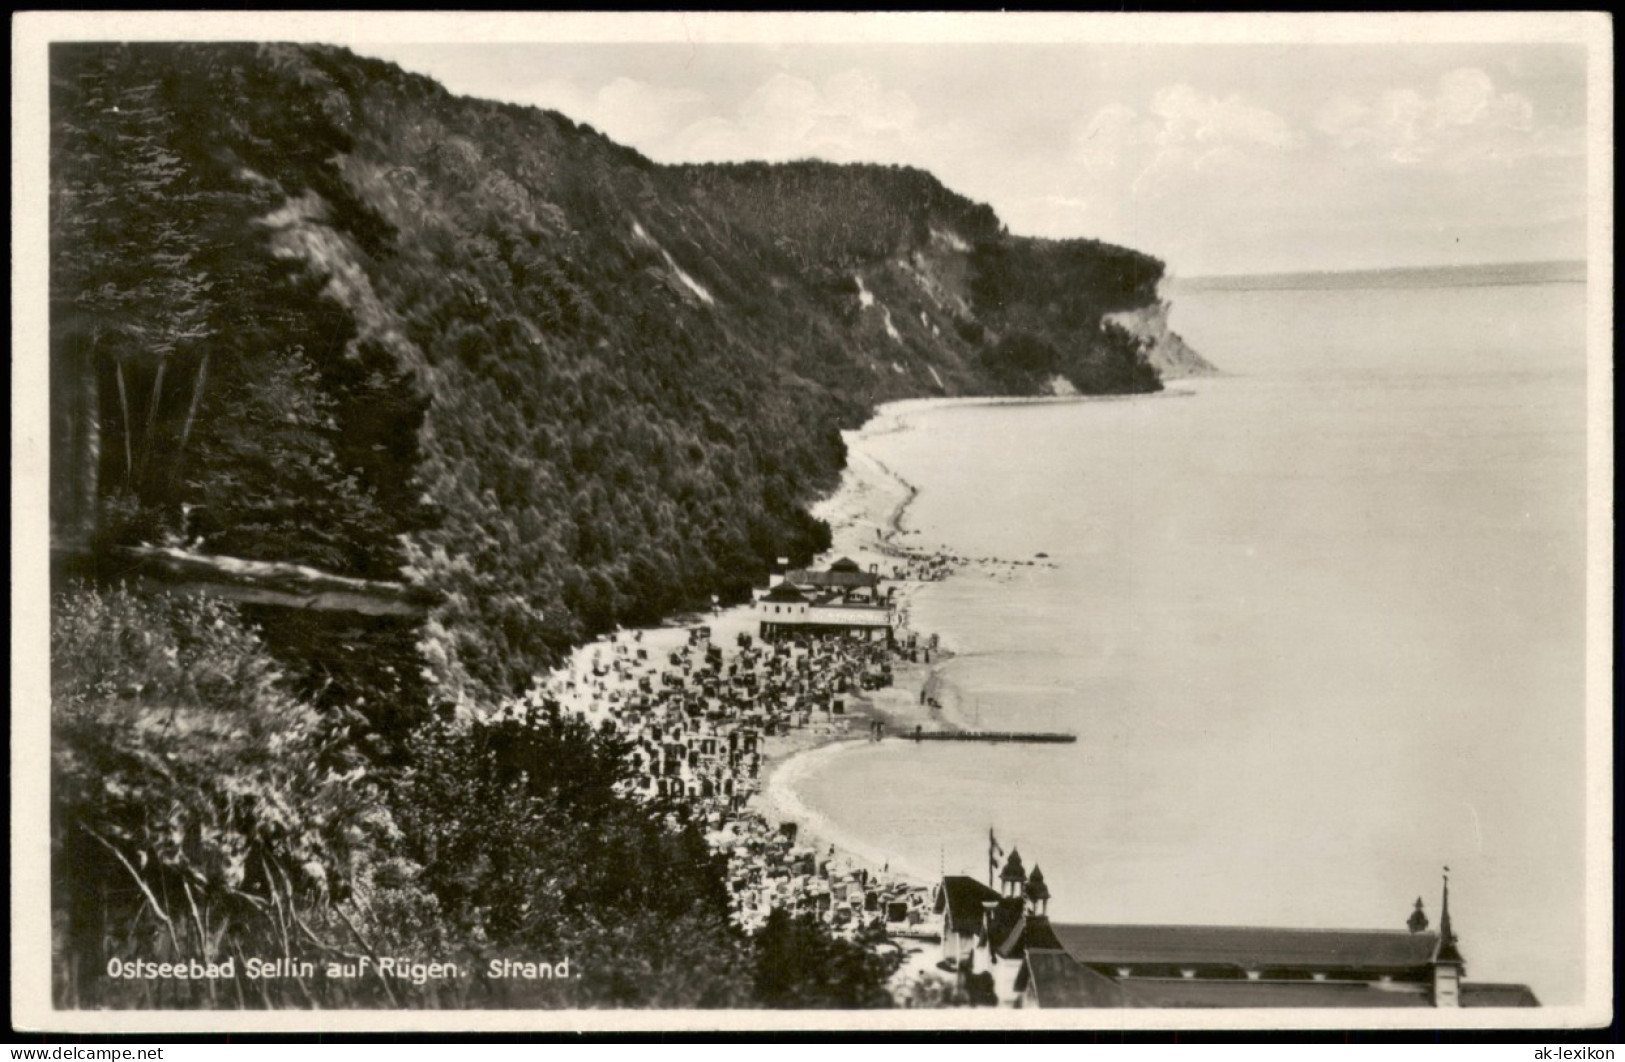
x=124, y=411
x=197, y=399
x=152, y=415
x=90, y=445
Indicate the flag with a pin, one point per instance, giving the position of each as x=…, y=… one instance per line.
x=993, y=854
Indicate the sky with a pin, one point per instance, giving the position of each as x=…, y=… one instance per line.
x=1219, y=158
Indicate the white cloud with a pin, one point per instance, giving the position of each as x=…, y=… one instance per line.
x=1181, y=117
x=1463, y=96
x=1465, y=120
x=627, y=110
x=1186, y=135
x=852, y=116
x=1191, y=117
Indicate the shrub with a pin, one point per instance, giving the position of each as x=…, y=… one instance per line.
x=800, y=965
x=533, y=852
x=200, y=812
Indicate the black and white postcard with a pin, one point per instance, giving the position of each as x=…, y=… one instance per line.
x=705, y=521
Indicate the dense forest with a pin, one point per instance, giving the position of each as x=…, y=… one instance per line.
x=323, y=311
x=308, y=308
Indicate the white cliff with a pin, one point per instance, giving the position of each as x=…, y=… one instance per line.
x=1172, y=357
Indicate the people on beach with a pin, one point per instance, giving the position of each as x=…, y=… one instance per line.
x=698, y=717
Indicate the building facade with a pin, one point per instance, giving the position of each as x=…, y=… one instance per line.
x=1004, y=951
x=843, y=601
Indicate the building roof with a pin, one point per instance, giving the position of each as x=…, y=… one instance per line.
x=1247, y=946
x=963, y=897
x=1008, y=928
x=843, y=580
x=1013, y=870
x=1494, y=995
x=1038, y=934
x=1055, y=980
x=1197, y=992
x=1015, y=930
x=1058, y=980
x=845, y=564
x=785, y=592
x=1036, y=889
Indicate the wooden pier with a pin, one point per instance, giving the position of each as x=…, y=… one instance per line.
x=1012, y=736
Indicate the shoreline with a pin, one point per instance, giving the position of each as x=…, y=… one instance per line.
x=789, y=758
x=872, y=497
x=866, y=514
x=601, y=678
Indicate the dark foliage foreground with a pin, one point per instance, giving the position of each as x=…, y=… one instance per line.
x=202, y=814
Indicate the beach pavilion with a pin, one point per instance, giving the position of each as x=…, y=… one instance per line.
x=1003, y=950
x=841, y=602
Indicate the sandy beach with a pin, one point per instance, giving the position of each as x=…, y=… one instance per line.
x=790, y=757
x=866, y=514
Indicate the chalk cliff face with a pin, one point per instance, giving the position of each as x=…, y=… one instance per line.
x=1166, y=350
x=933, y=293
x=309, y=308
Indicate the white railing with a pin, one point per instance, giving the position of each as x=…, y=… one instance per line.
x=851, y=617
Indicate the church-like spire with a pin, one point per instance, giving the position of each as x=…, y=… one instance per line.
x=1448, y=965
x=1037, y=892
x=1419, y=919
x=1448, y=951
x=1015, y=875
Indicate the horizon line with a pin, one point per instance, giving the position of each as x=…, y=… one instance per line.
x=1371, y=270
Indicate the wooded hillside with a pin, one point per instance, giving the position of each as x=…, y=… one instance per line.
x=308, y=308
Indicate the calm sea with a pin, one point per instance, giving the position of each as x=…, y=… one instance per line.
x=1317, y=623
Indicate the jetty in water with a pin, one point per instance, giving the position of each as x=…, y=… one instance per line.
x=1027, y=737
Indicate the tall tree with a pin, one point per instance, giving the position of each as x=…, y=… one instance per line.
x=130, y=297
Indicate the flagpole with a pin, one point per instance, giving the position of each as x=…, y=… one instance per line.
x=993, y=853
